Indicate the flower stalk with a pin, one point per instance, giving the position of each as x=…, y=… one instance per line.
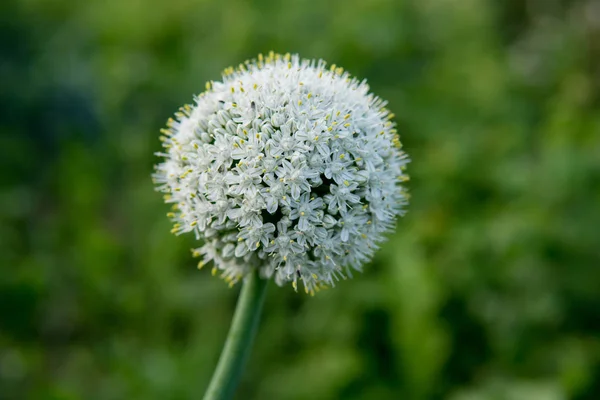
x=239, y=339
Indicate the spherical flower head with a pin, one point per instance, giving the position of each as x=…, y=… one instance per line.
x=286, y=166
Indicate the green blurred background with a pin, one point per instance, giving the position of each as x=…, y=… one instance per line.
x=489, y=289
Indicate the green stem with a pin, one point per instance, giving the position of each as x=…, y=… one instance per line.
x=239, y=339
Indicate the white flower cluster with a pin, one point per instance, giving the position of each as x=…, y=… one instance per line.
x=285, y=166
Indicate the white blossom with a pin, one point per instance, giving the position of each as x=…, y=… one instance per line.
x=286, y=166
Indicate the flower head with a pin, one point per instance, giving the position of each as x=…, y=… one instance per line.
x=286, y=166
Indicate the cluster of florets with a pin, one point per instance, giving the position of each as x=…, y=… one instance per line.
x=285, y=166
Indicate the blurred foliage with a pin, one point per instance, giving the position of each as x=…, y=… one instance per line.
x=490, y=289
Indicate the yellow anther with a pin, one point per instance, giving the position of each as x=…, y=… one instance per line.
x=295, y=286
x=194, y=223
x=240, y=239
x=171, y=214
x=299, y=102
x=308, y=96
x=315, y=277
x=320, y=74
x=363, y=235
x=316, y=138
x=302, y=213
x=346, y=116
x=214, y=271
x=200, y=264
x=346, y=183
x=332, y=68
x=342, y=156
x=284, y=258
x=255, y=86
x=196, y=146
x=347, y=124
x=257, y=245
x=232, y=89
x=207, y=86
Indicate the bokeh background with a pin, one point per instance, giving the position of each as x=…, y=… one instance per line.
x=489, y=289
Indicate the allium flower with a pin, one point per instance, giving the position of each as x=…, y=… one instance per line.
x=285, y=166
